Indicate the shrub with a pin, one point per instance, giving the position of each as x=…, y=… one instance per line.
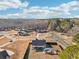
x=71, y=52
x=76, y=38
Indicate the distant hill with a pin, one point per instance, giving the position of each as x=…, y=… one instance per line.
x=28, y=22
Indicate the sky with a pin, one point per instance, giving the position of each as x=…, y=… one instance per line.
x=39, y=9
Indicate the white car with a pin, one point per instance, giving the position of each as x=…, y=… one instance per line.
x=49, y=51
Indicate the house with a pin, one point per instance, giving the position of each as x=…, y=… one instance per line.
x=38, y=45
x=4, y=55
x=23, y=33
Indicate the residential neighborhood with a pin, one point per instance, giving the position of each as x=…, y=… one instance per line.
x=37, y=43
x=39, y=29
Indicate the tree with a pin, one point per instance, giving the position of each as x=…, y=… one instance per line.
x=71, y=52
x=49, y=25
x=64, y=24
x=76, y=38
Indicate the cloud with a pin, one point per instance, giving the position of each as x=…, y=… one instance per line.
x=62, y=10
x=66, y=7
x=77, y=16
x=4, y=4
x=31, y=13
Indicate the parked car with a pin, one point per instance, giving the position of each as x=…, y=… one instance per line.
x=50, y=51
